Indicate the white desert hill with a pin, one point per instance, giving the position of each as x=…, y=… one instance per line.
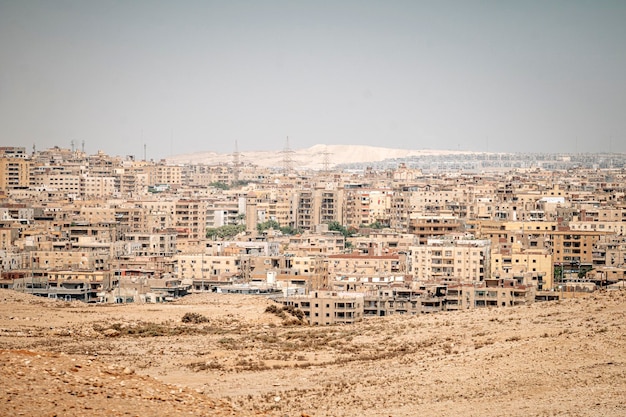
x=312, y=157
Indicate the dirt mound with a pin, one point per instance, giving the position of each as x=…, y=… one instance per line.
x=44, y=383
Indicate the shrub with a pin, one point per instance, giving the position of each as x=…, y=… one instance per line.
x=194, y=318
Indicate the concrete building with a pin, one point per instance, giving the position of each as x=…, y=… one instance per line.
x=573, y=249
x=190, y=218
x=426, y=227
x=14, y=172
x=468, y=260
x=357, y=265
x=491, y=293
x=327, y=308
x=529, y=266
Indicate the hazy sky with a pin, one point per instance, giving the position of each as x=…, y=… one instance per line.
x=185, y=76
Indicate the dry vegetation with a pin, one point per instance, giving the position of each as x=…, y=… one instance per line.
x=237, y=355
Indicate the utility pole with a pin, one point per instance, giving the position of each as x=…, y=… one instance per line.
x=326, y=160
x=236, y=163
x=287, y=158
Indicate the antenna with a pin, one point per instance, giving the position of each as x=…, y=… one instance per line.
x=287, y=159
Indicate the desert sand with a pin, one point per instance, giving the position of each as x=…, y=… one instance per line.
x=235, y=359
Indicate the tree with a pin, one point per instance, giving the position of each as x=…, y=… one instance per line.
x=376, y=225
x=220, y=185
x=273, y=224
x=224, y=232
x=338, y=227
x=346, y=233
x=288, y=230
x=270, y=224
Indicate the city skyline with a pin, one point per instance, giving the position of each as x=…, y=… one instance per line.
x=199, y=76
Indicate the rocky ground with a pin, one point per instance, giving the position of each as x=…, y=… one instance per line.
x=224, y=355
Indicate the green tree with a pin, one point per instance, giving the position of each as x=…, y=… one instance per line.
x=376, y=225
x=288, y=230
x=338, y=227
x=220, y=185
x=224, y=232
x=270, y=224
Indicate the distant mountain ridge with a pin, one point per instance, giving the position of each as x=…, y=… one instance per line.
x=311, y=158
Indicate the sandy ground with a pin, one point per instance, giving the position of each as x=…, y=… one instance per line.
x=558, y=358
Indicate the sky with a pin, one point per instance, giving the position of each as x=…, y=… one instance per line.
x=194, y=76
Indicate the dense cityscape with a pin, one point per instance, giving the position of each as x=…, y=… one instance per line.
x=400, y=239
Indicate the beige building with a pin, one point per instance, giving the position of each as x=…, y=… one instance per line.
x=190, y=218
x=317, y=206
x=383, y=242
x=165, y=174
x=358, y=265
x=574, y=248
x=315, y=243
x=491, y=293
x=310, y=272
x=151, y=244
x=98, y=187
x=199, y=266
x=467, y=260
x=363, y=206
x=97, y=214
x=14, y=172
x=72, y=259
x=326, y=308
x=426, y=227
x=527, y=266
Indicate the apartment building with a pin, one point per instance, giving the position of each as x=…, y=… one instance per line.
x=382, y=242
x=68, y=285
x=310, y=272
x=528, y=266
x=164, y=174
x=96, y=214
x=426, y=227
x=14, y=171
x=617, y=227
x=467, y=260
x=610, y=251
x=401, y=208
x=363, y=206
x=404, y=301
x=230, y=209
x=574, y=248
x=190, y=218
x=97, y=187
x=316, y=243
x=151, y=244
x=492, y=293
x=304, y=210
x=198, y=266
x=358, y=265
x=70, y=258
x=327, y=308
